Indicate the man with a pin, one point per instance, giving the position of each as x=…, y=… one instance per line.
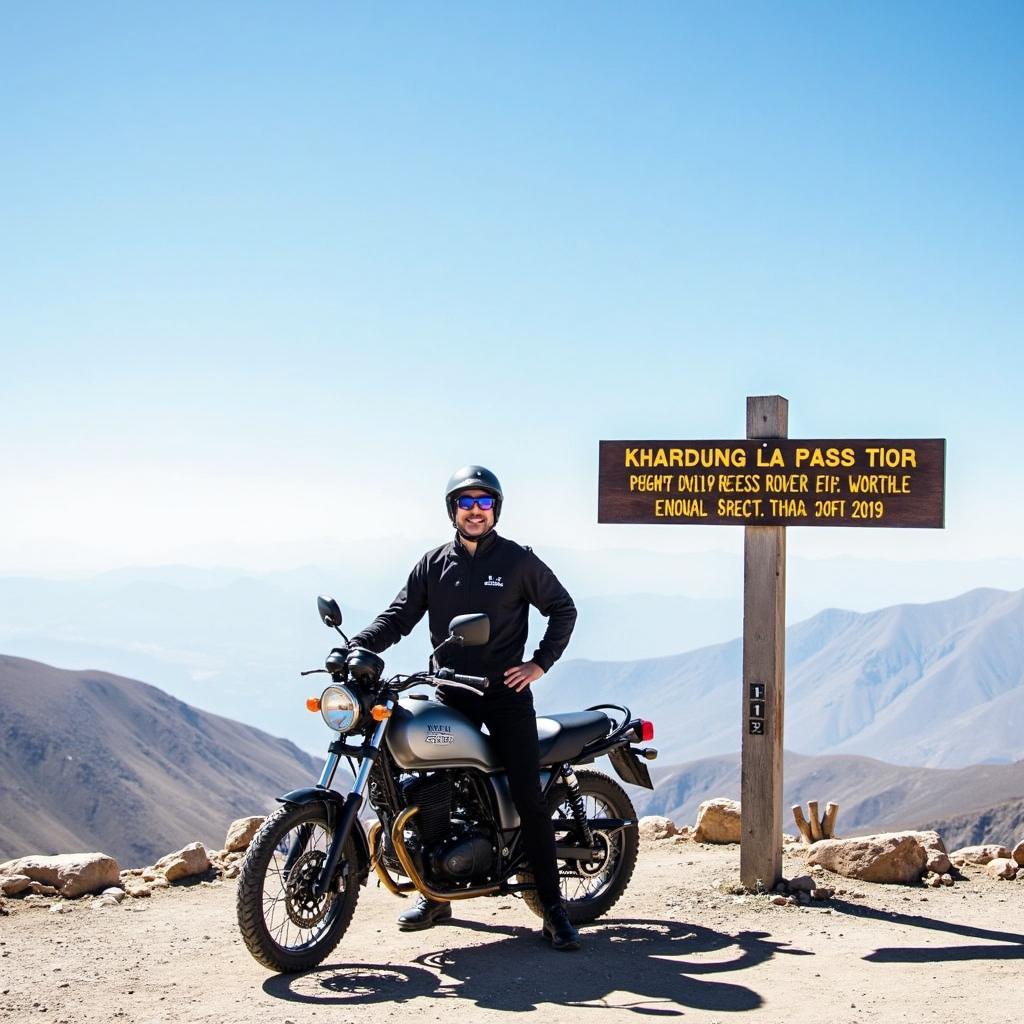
x=478, y=571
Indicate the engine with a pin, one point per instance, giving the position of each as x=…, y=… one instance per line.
x=456, y=845
x=467, y=857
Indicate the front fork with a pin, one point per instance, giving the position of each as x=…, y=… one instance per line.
x=353, y=802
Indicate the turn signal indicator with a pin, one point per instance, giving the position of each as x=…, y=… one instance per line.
x=312, y=703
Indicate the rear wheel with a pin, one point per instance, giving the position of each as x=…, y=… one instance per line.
x=591, y=888
x=284, y=925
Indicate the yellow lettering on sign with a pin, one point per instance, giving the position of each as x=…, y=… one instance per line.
x=675, y=508
x=770, y=459
x=892, y=458
x=825, y=457
x=739, y=508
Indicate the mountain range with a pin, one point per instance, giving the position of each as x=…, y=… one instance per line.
x=93, y=761
x=232, y=641
x=939, y=685
x=872, y=795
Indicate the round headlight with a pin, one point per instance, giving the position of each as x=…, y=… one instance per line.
x=340, y=708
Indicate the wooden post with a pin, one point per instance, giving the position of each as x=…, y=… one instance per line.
x=764, y=631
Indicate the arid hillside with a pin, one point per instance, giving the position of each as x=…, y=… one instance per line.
x=93, y=761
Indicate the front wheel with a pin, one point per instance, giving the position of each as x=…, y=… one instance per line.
x=286, y=927
x=590, y=889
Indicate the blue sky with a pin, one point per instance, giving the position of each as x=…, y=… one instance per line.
x=271, y=271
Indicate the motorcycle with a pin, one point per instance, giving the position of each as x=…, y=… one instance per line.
x=446, y=826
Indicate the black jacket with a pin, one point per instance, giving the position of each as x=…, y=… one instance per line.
x=502, y=580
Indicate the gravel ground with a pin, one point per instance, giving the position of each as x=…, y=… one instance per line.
x=679, y=944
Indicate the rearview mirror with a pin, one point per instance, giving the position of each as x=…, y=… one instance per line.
x=329, y=611
x=470, y=630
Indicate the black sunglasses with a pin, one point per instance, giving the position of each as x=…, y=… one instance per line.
x=466, y=502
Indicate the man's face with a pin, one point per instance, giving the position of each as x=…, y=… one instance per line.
x=474, y=522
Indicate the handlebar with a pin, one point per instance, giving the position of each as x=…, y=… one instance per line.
x=443, y=677
x=478, y=683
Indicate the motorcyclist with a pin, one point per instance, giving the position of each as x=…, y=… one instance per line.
x=479, y=571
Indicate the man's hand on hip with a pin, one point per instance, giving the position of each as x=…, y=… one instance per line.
x=519, y=677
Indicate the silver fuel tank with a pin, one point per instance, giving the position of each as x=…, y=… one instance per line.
x=423, y=734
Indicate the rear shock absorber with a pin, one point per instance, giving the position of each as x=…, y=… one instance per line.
x=579, y=812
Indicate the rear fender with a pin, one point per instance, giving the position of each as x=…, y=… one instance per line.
x=333, y=803
x=630, y=767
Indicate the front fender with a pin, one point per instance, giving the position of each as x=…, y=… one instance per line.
x=333, y=803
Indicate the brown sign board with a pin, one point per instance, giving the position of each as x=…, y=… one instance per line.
x=776, y=482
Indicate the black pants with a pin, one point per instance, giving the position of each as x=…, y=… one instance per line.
x=512, y=724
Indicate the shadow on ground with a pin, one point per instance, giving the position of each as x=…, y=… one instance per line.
x=998, y=945
x=662, y=965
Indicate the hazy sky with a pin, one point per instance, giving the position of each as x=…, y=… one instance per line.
x=269, y=272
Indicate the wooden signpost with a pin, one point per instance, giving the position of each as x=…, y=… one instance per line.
x=765, y=483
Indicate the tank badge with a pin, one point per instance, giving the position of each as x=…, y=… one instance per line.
x=439, y=734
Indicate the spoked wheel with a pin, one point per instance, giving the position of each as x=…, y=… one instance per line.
x=591, y=888
x=285, y=926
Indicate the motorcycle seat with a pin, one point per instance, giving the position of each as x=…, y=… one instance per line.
x=562, y=737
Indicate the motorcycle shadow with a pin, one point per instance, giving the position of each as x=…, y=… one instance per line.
x=647, y=966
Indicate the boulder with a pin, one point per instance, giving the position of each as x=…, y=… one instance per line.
x=11, y=885
x=240, y=833
x=887, y=857
x=1018, y=854
x=978, y=854
x=804, y=883
x=938, y=858
x=718, y=821
x=654, y=826
x=184, y=863
x=1002, y=867
x=72, y=874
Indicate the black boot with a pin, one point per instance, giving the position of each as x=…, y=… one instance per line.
x=558, y=929
x=425, y=913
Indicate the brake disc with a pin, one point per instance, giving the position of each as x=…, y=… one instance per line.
x=303, y=908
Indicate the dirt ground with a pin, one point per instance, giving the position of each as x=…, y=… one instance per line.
x=677, y=945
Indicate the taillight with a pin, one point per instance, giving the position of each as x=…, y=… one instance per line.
x=644, y=730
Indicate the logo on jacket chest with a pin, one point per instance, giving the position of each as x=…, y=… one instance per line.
x=493, y=581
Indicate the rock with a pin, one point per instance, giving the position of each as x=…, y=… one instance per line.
x=140, y=891
x=1002, y=867
x=231, y=871
x=654, y=826
x=62, y=908
x=240, y=832
x=103, y=901
x=115, y=892
x=781, y=901
x=159, y=883
x=802, y=884
x=184, y=863
x=978, y=854
x=822, y=894
x=43, y=890
x=947, y=879
x=718, y=821
x=74, y=874
x=1018, y=854
x=11, y=885
x=934, y=881
x=148, y=875
x=887, y=857
x=938, y=859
